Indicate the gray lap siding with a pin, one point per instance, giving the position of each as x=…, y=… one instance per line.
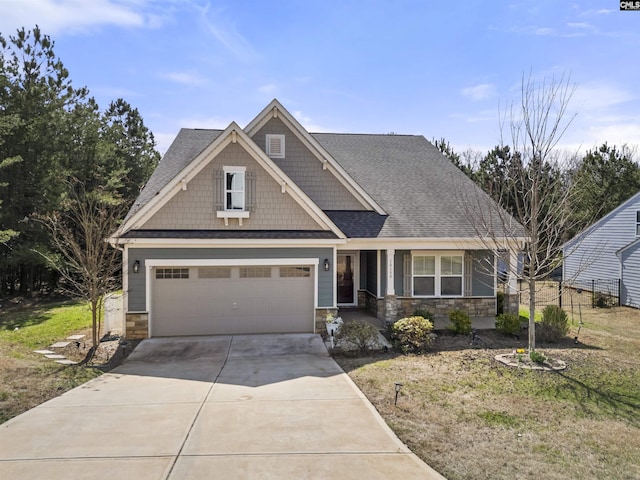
x=137, y=281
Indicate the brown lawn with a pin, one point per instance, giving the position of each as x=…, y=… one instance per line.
x=471, y=417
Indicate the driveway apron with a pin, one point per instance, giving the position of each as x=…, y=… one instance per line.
x=246, y=407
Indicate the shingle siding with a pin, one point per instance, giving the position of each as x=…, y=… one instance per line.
x=306, y=171
x=194, y=208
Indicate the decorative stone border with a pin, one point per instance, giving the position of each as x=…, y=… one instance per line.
x=511, y=360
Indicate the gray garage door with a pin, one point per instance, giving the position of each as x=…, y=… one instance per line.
x=232, y=300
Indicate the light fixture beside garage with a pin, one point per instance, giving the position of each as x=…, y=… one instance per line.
x=136, y=266
x=326, y=265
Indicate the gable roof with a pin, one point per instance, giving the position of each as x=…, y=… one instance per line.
x=602, y=220
x=275, y=109
x=187, y=145
x=412, y=189
x=177, y=169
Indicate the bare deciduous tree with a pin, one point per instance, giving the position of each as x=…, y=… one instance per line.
x=87, y=263
x=533, y=191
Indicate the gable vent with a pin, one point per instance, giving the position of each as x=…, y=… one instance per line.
x=275, y=146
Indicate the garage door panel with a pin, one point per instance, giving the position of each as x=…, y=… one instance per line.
x=208, y=306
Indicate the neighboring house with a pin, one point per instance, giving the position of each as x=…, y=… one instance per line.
x=269, y=228
x=606, y=252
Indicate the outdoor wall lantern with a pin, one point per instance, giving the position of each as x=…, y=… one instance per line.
x=136, y=266
x=326, y=264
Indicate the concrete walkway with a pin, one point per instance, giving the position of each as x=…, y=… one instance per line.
x=263, y=407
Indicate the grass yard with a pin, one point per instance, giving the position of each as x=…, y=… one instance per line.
x=470, y=417
x=27, y=379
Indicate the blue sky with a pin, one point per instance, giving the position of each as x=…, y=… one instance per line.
x=436, y=68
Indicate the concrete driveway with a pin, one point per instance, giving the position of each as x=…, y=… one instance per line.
x=252, y=406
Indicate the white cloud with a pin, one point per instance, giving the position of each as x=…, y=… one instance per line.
x=224, y=30
x=163, y=141
x=307, y=122
x=479, y=92
x=599, y=96
x=579, y=25
x=191, y=79
x=615, y=134
x=71, y=16
x=477, y=117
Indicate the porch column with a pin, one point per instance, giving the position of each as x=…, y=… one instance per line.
x=391, y=290
x=511, y=298
x=512, y=280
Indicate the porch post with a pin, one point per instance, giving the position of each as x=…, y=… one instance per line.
x=391, y=289
x=512, y=281
x=512, y=300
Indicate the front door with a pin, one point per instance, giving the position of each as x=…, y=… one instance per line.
x=345, y=272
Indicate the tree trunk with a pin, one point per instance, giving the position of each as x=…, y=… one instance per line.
x=532, y=315
x=94, y=324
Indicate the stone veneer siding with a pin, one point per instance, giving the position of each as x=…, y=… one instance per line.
x=394, y=308
x=137, y=326
x=321, y=315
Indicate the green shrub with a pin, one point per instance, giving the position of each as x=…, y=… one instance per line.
x=421, y=312
x=537, y=357
x=411, y=334
x=461, y=322
x=554, y=325
x=358, y=335
x=508, y=323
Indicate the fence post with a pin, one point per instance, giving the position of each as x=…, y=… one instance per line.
x=619, y=292
x=593, y=294
x=560, y=293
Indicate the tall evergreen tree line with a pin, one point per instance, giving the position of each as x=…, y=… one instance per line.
x=598, y=182
x=55, y=139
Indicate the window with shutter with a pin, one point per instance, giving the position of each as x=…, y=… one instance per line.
x=437, y=274
x=275, y=146
x=234, y=193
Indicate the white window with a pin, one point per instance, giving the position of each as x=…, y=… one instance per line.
x=451, y=275
x=424, y=276
x=437, y=275
x=275, y=146
x=234, y=191
x=295, y=272
x=172, y=273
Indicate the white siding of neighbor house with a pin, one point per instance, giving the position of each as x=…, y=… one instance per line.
x=592, y=254
x=630, y=284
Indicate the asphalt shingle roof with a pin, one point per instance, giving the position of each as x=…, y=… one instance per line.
x=424, y=194
x=357, y=223
x=186, y=146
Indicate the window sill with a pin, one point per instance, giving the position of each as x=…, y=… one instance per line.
x=227, y=214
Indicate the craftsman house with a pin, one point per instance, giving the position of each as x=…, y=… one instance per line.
x=268, y=228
